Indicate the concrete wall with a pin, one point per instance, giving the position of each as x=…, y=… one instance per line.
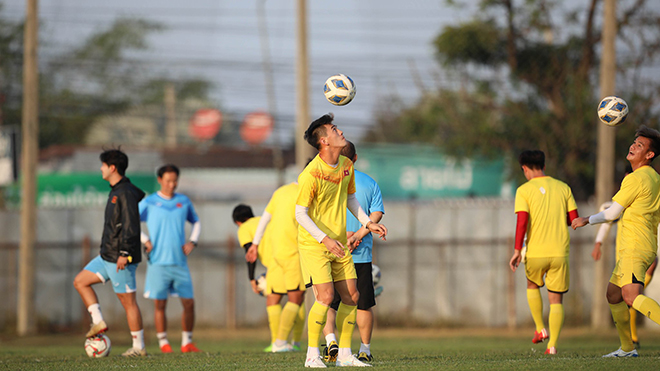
x=445, y=262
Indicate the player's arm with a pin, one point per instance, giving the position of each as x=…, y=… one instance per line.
x=251, y=254
x=129, y=233
x=604, y=229
x=148, y=246
x=571, y=215
x=521, y=229
x=143, y=208
x=252, y=266
x=375, y=217
x=306, y=222
x=356, y=209
x=608, y=215
x=194, y=237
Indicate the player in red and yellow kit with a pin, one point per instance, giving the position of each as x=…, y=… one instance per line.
x=543, y=205
x=639, y=201
x=327, y=188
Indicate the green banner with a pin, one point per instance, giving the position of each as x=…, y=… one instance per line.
x=76, y=190
x=405, y=171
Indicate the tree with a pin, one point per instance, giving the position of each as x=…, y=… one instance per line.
x=547, y=97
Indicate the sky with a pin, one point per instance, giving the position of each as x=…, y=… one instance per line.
x=378, y=43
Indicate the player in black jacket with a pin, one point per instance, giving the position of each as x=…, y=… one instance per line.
x=120, y=252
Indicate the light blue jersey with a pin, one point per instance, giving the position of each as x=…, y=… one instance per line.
x=368, y=195
x=166, y=220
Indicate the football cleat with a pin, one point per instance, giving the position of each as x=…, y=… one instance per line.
x=620, y=353
x=268, y=349
x=330, y=352
x=133, y=352
x=295, y=347
x=279, y=349
x=166, y=348
x=551, y=350
x=96, y=329
x=539, y=336
x=351, y=362
x=636, y=344
x=316, y=362
x=364, y=357
x=189, y=348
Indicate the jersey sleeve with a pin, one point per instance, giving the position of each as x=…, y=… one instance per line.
x=143, y=208
x=271, y=204
x=376, y=200
x=244, y=235
x=192, y=216
x=351, y=182
x=628, y=192
x=306, y=189
x=521, y=203
x=571, y=205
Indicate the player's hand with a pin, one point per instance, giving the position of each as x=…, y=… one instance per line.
x=148, y=246
x=579, y=222
x=188, y=248
x=515, y=260
x=596, y=253
x=353, y=241
x=252, y=253
x=121, y=263
x=379, y=229
x=255, y=288
x=334, y=246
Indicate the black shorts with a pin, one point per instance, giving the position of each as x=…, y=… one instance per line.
x=365, y=286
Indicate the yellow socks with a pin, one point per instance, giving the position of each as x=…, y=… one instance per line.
x=299, y=325
x=633, y=325
x=289, y=314
x=315, y=323
x=556, y=321
x=647, y=307
x=621, y=316
x=274, y=313
x=346, y=317
x=536, y=307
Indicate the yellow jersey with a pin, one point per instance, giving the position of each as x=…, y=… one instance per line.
x=547, y=201
x=324, y=190
x=246, y=232
x=640, y=196
x=283, y=224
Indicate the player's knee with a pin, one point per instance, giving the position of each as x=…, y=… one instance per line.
x=325, y=298
x=629, y=298
x=355, y=296
x=188, y=304
x=160, y=304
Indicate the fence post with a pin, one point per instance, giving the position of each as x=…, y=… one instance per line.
x=231, y=284
x=511, y=295
x=85, y=258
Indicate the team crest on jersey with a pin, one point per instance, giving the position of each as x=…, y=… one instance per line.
x=114, y=200
x=346, y=173
x=179, y=205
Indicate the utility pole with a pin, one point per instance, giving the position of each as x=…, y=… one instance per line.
x=303, y=150
x=170, y=113
x=278, y=159
x=600, y=313
x=30, y=123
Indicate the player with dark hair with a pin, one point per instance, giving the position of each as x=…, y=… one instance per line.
x=370, y=199
x=543, y=205
x=166, y=213
x=639, y=197
x=120, y=252
x=247, y=228
x=327, y=188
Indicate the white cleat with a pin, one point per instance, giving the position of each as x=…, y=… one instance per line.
x=351, y=361
x=316, y=362
x=284, y=348
x=621, y=353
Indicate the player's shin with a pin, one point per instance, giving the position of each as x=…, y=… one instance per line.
x=346, y=317
x=621, y=317
x=647, y=307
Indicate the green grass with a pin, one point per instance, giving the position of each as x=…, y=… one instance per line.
x=410, y=349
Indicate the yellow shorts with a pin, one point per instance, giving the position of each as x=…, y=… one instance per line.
x=275, y=280
x=291, y=272
x=631, y=267
x=555, y=270
x=322, y=266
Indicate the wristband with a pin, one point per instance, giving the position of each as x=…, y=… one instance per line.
x=194, y=243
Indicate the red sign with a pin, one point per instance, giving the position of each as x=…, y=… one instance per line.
x=256, y=127
x=205, y=124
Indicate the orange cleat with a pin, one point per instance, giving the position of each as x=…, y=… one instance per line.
x=539, y=336
x=190, y=348
x=551, y=350
x=166, y=348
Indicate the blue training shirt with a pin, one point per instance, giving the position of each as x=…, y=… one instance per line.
x=368, y=195
x=166, y=220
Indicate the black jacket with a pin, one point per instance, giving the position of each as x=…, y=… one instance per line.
x=121, y=228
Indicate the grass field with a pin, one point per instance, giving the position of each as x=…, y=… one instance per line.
x=409, y=349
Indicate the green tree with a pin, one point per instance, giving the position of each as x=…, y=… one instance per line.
x=528, y=77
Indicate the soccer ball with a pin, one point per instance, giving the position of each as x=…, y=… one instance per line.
x=612, y=111
x=375, y=274
x=261, y=284
x=339, y=89
x=97, y=346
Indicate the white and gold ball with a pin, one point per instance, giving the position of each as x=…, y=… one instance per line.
x=339, y=89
